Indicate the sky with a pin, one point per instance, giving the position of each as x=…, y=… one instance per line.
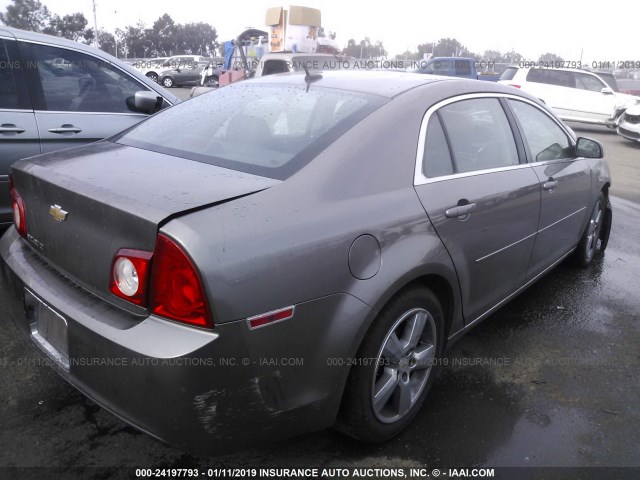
x=575, y=30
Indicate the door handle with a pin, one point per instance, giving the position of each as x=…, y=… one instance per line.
x=10, y=128
x=550, y=185
x=460, y=210
x=66, y=128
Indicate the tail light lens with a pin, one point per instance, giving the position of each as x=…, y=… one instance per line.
x=129, y=275
x=176, y=289
x=17, y=206
x=171, y=286
x=514, y=85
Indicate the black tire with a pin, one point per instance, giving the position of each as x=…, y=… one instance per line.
x=409, y=379
x=167, y=82
x=153, y=76
x=211, y=81
x=596, y=233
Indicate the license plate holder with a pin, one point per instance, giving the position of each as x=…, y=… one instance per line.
x=49, y=329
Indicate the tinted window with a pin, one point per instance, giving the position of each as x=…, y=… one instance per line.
x=267, y=130
x=610, y=80
x=509, y=73
x=274, y=66
x=437, y=159
x=463, y=67
x=8, y=90
x=75, y=82
x=559, y=78
x=479, y=134
x=545, y=139
x=588, y=82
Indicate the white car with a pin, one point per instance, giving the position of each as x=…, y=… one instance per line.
x=574, y=95
x=629, y=125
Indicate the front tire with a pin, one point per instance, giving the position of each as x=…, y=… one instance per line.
x=394, y=368
x=596, y=234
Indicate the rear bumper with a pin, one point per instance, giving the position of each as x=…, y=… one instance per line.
x=207, y=392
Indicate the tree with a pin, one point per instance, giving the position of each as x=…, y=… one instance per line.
x=550, y=58
x=196, y=38
x=365, y=49
x=426, y=49
x=163, y=35
x=26, y=14
x=70, y=26
x=450, y=47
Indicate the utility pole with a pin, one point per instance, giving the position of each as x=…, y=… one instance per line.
x=95, y=25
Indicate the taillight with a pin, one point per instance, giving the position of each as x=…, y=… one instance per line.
x=514, y=85
x=129, y=275
x=17, y=206
x=176, y=290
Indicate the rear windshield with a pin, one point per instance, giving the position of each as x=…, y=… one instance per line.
x=509, y=73
x=267, y=130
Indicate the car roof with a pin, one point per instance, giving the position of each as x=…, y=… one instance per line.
x=380, y=82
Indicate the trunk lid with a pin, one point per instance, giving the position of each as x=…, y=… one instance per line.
x=83, y=205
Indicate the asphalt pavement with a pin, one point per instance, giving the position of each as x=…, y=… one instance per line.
x=550, y=380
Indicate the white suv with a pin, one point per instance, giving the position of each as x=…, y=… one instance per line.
x=574, y=95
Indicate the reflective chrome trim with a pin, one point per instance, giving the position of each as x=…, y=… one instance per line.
x=57, y=112
x=421, y=179
x=15, y=110
x=4, y=178
x=562, y=219
x=508, y=246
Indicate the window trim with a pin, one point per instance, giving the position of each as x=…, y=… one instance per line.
x=420, y=178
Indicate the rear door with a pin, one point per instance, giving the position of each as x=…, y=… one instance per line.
x=86, y=101
x=18, y=129
x=482, y=200
x=565, y=184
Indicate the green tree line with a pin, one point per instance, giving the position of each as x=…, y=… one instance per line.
x=164, y=38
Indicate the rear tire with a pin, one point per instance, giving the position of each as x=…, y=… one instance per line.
x=153, y=76
x=394, y=367
x=167, y=82
x=596, y=233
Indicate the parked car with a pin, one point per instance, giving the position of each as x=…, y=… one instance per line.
x=153, y=69
x=55, y=93
x=260, y=268
x=182, y=74
x=574, y=95
x=461, y=67
x=629, y=125
x=149, y=67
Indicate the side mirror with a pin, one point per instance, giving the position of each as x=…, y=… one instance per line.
x=606, y=91
x=588, y=148
x=147, y=102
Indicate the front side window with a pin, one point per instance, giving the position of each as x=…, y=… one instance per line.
x=267, y=130
x=588, y=82
x=76, y=82
x=545, y=139
x=479, y=134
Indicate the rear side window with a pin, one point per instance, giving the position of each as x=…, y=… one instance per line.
x=559, y=78
x=437, y=159
x=268, y=130
x=479, y=134
x=509, y=73
x=545, y=139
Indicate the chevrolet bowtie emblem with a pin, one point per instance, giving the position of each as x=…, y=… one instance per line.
x=58, y=213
